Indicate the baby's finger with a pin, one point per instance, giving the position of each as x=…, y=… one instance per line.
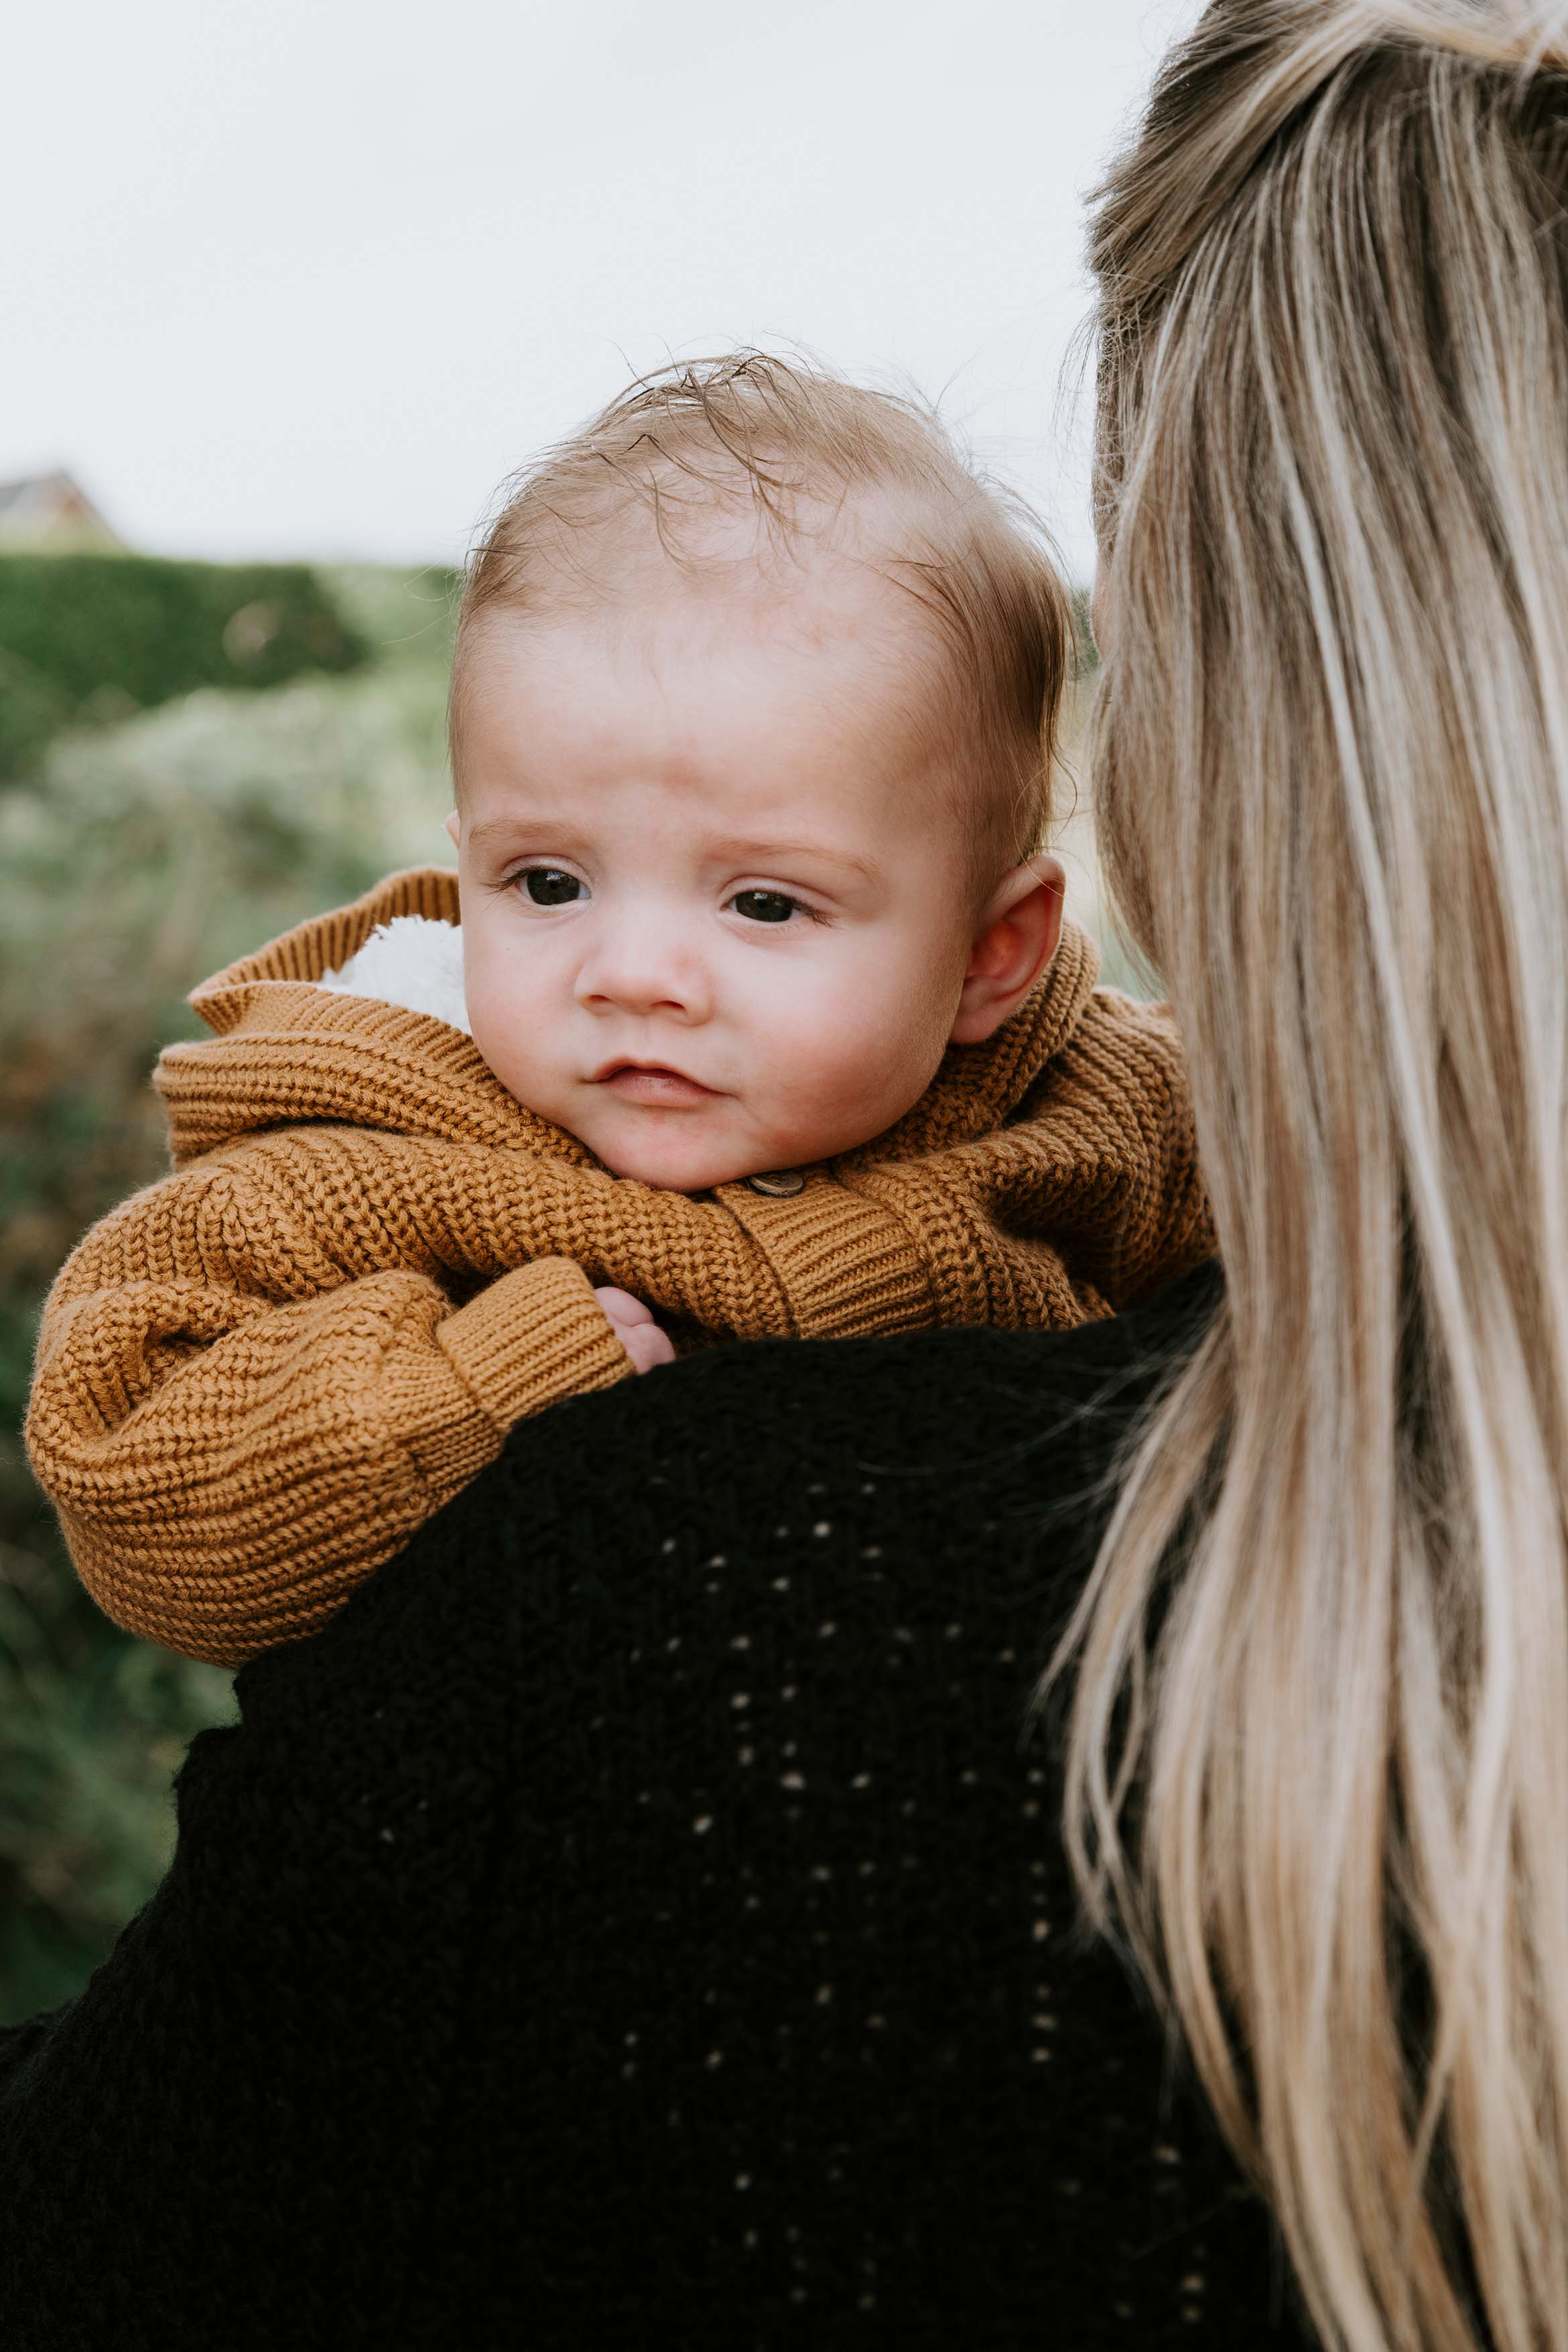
x=622, y=1307
x=647, y=1345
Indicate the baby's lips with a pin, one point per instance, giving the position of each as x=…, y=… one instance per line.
x=659, y=1088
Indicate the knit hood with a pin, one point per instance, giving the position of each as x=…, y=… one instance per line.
x=286, y=1050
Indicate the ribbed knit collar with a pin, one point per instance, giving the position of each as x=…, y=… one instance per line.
x=286, y=1051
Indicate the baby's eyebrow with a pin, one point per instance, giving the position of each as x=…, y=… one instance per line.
x=506, y=828
x=766, y=853
x=734, y=849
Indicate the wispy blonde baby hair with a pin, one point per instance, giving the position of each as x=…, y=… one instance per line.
x=811, y=462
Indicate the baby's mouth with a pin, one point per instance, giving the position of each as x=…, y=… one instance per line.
x=653, y=1084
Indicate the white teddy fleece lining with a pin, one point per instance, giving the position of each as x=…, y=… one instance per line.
x=413, y=961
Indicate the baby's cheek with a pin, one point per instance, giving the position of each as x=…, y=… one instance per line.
x=858, y=1067
x=506, y=1025
x=485, y=1016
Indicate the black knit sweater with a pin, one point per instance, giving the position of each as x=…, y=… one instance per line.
x=640, y=1919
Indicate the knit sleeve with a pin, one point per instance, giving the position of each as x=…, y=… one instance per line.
x=236, y=1432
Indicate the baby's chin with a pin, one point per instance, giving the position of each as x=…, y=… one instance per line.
x=685, y=1166
x=686, y=1151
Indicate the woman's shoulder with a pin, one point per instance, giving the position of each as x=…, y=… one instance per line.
x=947, y=1401
x=861, y=1483
x=918, y=1448
x=744, y=1449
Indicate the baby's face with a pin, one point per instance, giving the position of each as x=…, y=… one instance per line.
x=717, y=907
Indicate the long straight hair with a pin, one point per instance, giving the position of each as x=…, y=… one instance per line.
x=1327, y=1802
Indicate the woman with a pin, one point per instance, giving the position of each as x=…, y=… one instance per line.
x=674, y=1945
x=1333, y=770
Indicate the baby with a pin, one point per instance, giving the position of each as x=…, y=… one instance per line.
x=750, y=1012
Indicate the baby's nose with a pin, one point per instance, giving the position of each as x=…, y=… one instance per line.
x=644, y=964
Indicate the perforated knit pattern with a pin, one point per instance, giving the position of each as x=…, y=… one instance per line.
x=258, y=1377
x=640, y=1921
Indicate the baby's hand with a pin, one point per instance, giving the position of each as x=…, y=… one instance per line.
x=635, y=1329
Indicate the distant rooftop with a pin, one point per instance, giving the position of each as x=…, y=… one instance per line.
x=50, y=514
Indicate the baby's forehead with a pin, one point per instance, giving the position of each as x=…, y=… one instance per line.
x=819, y=549
x=822, y=675
x=755, y=712
x=808, y=637
x=826, y=601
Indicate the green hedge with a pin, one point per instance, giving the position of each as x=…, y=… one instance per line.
x=86, y=637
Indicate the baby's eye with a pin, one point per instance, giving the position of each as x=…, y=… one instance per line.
x=552, y=886
x=766, y=905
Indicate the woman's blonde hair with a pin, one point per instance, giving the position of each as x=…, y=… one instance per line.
x=1317, y=1763
x=779, y=444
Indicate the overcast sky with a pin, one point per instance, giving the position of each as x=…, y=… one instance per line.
x=309, y=278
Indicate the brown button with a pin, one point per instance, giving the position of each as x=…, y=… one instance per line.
x=782, y=1184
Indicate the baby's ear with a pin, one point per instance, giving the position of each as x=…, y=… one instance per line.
x=1016, y=940
x=454, y=829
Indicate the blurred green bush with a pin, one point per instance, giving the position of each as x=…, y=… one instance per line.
x=134, y=860
x=95, y=638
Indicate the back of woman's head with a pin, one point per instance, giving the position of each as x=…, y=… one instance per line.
x=1332, y=768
